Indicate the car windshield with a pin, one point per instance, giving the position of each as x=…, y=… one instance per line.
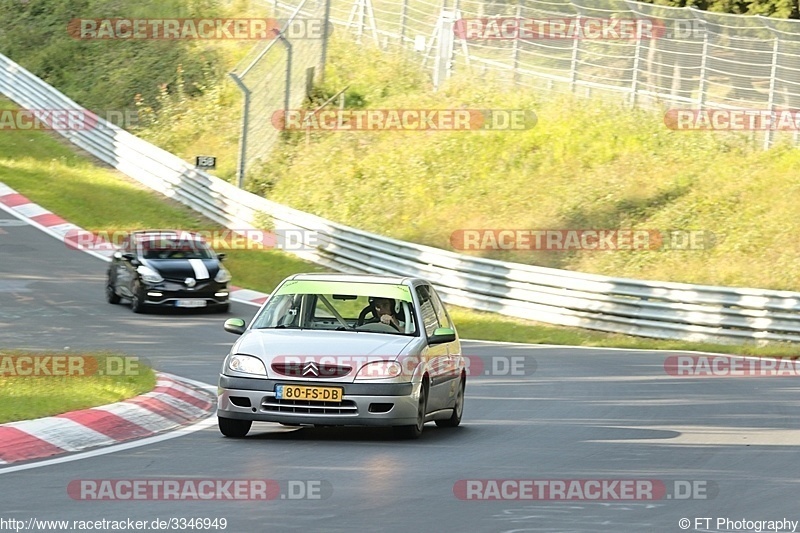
x=340, y=306
x=169, y=246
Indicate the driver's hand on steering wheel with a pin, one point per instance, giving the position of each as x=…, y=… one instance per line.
x=389, y=320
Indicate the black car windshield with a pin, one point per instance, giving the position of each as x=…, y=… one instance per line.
x=331, y=305
x=173, y=246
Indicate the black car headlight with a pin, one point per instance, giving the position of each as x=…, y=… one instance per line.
x=149, y=275
x=223, y=276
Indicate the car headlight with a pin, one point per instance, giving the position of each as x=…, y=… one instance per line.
x=223, y=276
x=247, y=364
x=149, y=275
x=380, y=370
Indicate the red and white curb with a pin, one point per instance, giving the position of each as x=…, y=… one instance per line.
x=22, y=208
x=174, y=403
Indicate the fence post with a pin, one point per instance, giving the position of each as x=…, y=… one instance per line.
x=288, y=89
x=403, y=15
x=703, y=61
x=515, y=50
x=442, y=66
x=635, y=74
x=573, y=78
x=771, y=98
x=240, y=168
x=325, y=37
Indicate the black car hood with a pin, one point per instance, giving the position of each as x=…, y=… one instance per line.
x=180, y=269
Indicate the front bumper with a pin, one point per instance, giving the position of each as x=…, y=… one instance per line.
x=212, y=294
x=363, y=404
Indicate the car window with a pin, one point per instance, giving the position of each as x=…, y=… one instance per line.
x=438, y=307
x=429, y=319
x=337, y=311
x=166, y=247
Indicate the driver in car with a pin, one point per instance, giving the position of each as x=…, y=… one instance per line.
x=384, y=310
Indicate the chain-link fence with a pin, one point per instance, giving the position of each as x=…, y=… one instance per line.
x=276, y=75
x=687, y=58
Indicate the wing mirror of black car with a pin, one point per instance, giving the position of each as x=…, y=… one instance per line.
x=442, y=335
x=221, y=257
x=234, y=325
x=127, y=256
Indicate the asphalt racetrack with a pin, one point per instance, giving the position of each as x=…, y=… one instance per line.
x=582, y=440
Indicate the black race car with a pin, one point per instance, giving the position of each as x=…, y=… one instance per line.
x=167, y=268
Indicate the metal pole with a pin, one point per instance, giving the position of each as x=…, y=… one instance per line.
x=574, y=62
x=288, y=89
x=240, y=169
x=635, y=75
x=403, y=15
x=325, y=37
x=362, y=13
x=703, y=61
x=515, y=50
x=771, y=98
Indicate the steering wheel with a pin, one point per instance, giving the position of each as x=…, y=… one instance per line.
x=362, y=317
x=369, y=310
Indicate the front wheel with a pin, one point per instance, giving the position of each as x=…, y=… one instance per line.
x=111, y=294
x=415, y=431
x=137, y=300
x=458, y=409
x=233, y=428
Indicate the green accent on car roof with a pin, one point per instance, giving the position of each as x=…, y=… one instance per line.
x=398, y=292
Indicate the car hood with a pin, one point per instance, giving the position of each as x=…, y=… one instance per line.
x=269, y=343
x=180, y=269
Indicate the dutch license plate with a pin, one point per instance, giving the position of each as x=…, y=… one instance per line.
x=190, y=303
x=310, y=394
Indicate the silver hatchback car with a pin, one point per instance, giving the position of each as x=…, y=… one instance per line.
x=345, y=350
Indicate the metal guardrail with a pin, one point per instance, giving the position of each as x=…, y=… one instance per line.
x=629, y=306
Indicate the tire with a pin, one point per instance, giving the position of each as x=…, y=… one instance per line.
x=224, y=308
x=233, y=428
x=111, y=294
x=137, y=300
x=458, y=409
x=415, y=431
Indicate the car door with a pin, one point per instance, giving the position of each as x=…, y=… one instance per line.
x=125, y=270
x=437, y=355
x=455, y=360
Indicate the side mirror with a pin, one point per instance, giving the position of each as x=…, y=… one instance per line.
x=234, y=325
x=442, y=335
x=221, y=257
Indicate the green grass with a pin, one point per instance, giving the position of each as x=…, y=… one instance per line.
x=42, y=168
x=35, y=396
x=587, y=164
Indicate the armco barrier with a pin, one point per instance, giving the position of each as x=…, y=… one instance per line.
x=644, y=308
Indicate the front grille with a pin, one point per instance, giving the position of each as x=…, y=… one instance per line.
x=306, y=370
x=273, y=405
